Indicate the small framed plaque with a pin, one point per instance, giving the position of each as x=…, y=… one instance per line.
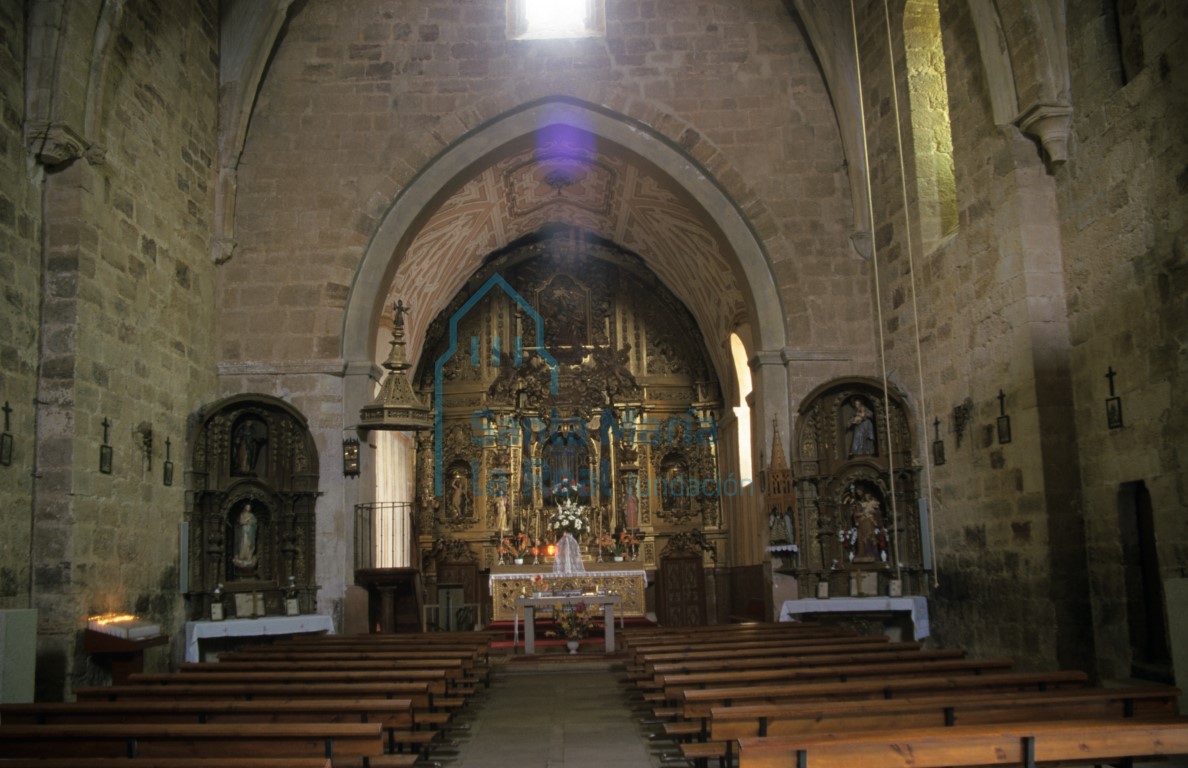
x=822, y=590
x=1114, y=412
x=168, y=472
x=216, y=610
x=1004, y=430
x=291, y=607
x=105, y=459
x=245, y=605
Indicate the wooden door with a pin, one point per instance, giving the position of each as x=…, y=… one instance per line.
x=680, y=594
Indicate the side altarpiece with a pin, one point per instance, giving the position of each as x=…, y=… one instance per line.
x=253, y=472
x=858, y=490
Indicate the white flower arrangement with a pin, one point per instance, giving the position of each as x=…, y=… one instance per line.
x=569, y=518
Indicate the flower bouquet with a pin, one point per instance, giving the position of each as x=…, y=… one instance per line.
x=537, y=585
x=568, y=519
x=517, y=545
x=573, y=622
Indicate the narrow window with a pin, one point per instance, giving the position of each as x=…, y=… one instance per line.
x=742, y=411
x=932, y=138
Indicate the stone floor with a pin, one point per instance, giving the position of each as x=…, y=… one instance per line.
x=559, y=713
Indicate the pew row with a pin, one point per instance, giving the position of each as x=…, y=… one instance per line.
x=342, y=744
x=1017, y=744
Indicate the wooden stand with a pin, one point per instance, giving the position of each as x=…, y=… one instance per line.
x=126, y=656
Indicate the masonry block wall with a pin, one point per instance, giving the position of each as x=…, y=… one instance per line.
x=112, y=314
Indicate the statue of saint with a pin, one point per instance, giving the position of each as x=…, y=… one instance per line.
x=868, y=521
x=862, y=429
x=249, y=439
x=246, y=525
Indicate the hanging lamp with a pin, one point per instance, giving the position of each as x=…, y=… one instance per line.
x=396, y=406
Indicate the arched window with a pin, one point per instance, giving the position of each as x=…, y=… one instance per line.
x=742, y=411
x=932, y=138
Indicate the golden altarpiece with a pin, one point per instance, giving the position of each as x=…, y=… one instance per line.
x=565, y=363
x=859, y=521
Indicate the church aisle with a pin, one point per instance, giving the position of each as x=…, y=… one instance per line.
x=553, y=714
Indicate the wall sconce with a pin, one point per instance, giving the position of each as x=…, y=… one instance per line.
x=105, y=450
x=168, y=479
x=1113, y=404
x=350, y=457
x=1004, y=421
x=6, y=438
x=938, y=446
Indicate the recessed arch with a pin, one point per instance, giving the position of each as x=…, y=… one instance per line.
x=401, y=221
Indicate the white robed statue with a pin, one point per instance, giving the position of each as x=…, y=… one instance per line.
x=568, y=520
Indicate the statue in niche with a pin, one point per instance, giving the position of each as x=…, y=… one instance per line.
x=458, y=501
x=244, y=556
x=862, y=428
x=631, y=508
x=781, y=526
x=866, y=539
x=247, y=443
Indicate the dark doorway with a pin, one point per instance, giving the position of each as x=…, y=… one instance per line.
x=1150, y=656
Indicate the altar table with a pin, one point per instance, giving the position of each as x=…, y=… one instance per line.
x=529, y=605
x=266, y=625
x=626, y=580
x=916, y=606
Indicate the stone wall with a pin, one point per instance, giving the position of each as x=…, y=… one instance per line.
x=20, y=278
x=1057, y=272
x=126, y=313
x=1123, y=200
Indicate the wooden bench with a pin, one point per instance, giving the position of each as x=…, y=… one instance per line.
x=696, y=703
x=1022, y=744
x=727, y=725
x=783, y=659
x=643, y=660
x=419, y=694
x=342, y=743
x=394, y=715
x=435, y=678
x=675, y=685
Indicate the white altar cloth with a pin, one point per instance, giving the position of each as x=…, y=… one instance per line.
x=916, y=606
x=265, y=625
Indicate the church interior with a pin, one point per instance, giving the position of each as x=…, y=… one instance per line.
x=378, y=315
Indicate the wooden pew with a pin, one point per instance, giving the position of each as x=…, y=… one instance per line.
x=1020, y=744
x=394, y=715
x=431, y=711
x=782, y=659
x=677, y=684
x=698, y=702
x=639, y=657
x=463, y=667
x=342, y=743
x=727, y=725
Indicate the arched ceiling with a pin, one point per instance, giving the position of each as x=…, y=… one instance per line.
x=564, y=175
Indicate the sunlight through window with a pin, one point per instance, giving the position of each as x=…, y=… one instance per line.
x=555, y=19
